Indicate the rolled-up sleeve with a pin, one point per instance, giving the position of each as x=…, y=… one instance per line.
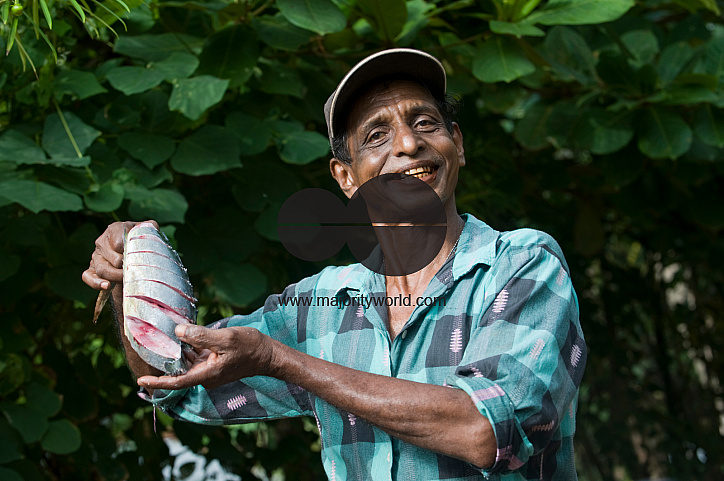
x=525, y=359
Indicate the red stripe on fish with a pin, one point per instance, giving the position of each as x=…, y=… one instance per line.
x=177, y=317
x=152, y=338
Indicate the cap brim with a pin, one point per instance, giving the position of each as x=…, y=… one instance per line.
x=387, y=63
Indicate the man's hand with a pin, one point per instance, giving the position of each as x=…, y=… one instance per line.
x=106, y=265
x=221, y=356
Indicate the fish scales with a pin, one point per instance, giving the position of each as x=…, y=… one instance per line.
x=157, y=296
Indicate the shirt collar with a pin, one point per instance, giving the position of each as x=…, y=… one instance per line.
x=477, y=245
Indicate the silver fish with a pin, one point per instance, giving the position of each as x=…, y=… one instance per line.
x=157, y=296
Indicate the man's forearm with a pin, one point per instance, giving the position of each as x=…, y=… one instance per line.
x=433, y=417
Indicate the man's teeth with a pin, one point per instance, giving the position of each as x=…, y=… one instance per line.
x=419, y=172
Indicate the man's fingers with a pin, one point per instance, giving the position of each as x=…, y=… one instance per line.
x=199, y=374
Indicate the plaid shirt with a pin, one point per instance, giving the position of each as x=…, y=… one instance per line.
x=508, y=334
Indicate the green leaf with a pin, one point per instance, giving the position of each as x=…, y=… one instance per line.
x=178, y=65
x=501, y=60
x=712, y=62
x=605, y=132
x=642, y=44
x=209, y=150
x=387, y=17
x=303, y=147
x=531, y=131
x=55, y=138
x=663, y=134
x=238, y=284
x=230, y=54
x=673, y=60
x=163, y=205
x=27, y=422
x=18, y=148
x=253, y=134
x=147, y=177
x=156, y=47
x=282, y=80
x=277, y=32
x=108, y=198
x=519, y=29
x=193, y=96
x=266, y=223
x=63, y=437
x=320, y=16
x=134, y=80
x=151, y=149
x=9, y=444
x=81, y=84
x=38, y=196
x=42, y=399
x=569, y=54
x=579, y=12
x=9, y=475
x=710, y=126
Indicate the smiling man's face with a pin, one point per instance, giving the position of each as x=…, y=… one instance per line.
x=398, y=128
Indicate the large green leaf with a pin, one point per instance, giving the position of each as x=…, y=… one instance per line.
x=9, y=445
x=710, y=126
x=712, y=63
x=282, y=80
x=501, y=60
x=42, y=399
x=108, y=198
x=209, y=150
x=605, y=132
x=518, y=29
x=193, y=96
x=162, y=205
x=230, y=54
x=642, y=44
x=387, y=17
x=569, y=54
x=579, y=12
x=37, y=196
x=178, y=65
x=30, y=424
x=63, y=437
x=663, y=134
x=19, y=148
x=9, y=475
x=156, y=47
x=66, y=283
x=277, y=32
x=321, y=16
x=134, y=80
x=56, y=141
x=303, y=147
x=252, y=133
x=532, y=130
x=77, y=82
x=673, y=60
x=238, y=284
x=151, y=149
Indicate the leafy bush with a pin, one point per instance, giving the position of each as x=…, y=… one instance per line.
x=597, y=121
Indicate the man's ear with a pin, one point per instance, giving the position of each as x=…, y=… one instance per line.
x=342, y=173
x=458, y=139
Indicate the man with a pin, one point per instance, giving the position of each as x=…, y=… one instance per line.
x=482, y=384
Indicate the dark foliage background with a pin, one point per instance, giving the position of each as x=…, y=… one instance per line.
x=599, y=122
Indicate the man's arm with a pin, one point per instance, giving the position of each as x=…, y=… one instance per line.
x=437, y=418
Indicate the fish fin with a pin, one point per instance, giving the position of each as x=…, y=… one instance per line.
x=101, y=301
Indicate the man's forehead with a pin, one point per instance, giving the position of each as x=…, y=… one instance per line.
x=377, y=98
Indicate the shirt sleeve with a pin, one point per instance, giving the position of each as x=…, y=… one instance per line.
x=525, y=360
x=250, y=399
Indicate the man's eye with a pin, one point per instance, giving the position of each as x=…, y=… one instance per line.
x=426, y=124
x=374, y=136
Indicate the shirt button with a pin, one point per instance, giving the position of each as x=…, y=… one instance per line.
x=404, y=334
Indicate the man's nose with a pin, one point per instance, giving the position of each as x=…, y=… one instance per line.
x=406, y=141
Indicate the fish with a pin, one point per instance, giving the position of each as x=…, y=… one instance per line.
x=157, y=296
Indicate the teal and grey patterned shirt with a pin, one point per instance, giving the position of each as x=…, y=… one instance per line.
x=502, y=325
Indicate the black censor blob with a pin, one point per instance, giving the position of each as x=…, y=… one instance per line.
x=394, y=224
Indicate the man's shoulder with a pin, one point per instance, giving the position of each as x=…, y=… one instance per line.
x=332, y=278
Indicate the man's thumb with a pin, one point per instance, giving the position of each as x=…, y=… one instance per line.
x=197, y=336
